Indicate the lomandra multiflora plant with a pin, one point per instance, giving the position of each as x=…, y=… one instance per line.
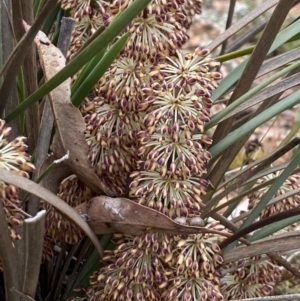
x=146, y=123
x=145, y=128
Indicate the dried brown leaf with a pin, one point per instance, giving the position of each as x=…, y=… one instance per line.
x=28, y=185
x=70, y=126
x=107, y=215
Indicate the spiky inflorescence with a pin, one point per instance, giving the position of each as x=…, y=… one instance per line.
x=115, y=111
x=13, y=157
x=58, y=227
x=291, y=183
x=115, y=115
x=194, y=268
x=156, y=266
x=134, y=270
x=250, y=278
x=172, y=148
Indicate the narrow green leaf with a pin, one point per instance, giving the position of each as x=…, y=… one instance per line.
x=252, y=124
x=82, y=58
x=219, y=116
x=233, y=77
x=86, y=70
x=48, y=24
x=235, y=54
x=272, y=190
x=91, y=80
x=93, y=263
x=273, y=228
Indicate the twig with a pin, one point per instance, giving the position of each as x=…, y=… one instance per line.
x=273, y=298
x=7, y=35
x=228, y=23
x=261, y=223
x=281, y=261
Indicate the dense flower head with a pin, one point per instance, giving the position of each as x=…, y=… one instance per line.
x=85, y=27
x=58, y=227
x=195, y=263
x=84, y=7
x=138, y=84
x=190, y=71
x=291, y=183
x=156, y=266
x=250, y=278
x=134, y=270
x=172, y=149
x=158, y=31
x=126, y=76
x=111, y=127
x=13, y=157
x=180, y=11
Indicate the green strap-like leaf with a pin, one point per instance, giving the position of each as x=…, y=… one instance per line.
x=86, y=70
x=258, y=120
x=273, y=189
x=82, y=58
x=219, y=116
x=91, y=80
x=234, y=76
x=273, y=228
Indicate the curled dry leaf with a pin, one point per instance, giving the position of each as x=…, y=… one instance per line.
x=106, y=215
x=69, y=123
x=28, y=185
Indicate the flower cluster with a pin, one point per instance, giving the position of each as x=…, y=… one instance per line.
x=290, y=184
x=134, y=270
x=195, y=263
x=58, y=228
x=172, y=146
x=145, y=122
x=156, y=266
x=13, y=157
x=249, y=279
x=145, y=130
x=150, y=72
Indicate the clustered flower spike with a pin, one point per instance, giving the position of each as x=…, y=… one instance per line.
x=134, y=270
x=145, y=123
x=13, y=157
x=195, y=263
x=250, y=278
x=156, y=266
x=58, y=228
x=291, y=183
x=172, y=148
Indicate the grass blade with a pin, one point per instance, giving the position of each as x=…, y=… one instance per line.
x=249, y=126
x=273, y=189
x=91, y=80
x=233, y=77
